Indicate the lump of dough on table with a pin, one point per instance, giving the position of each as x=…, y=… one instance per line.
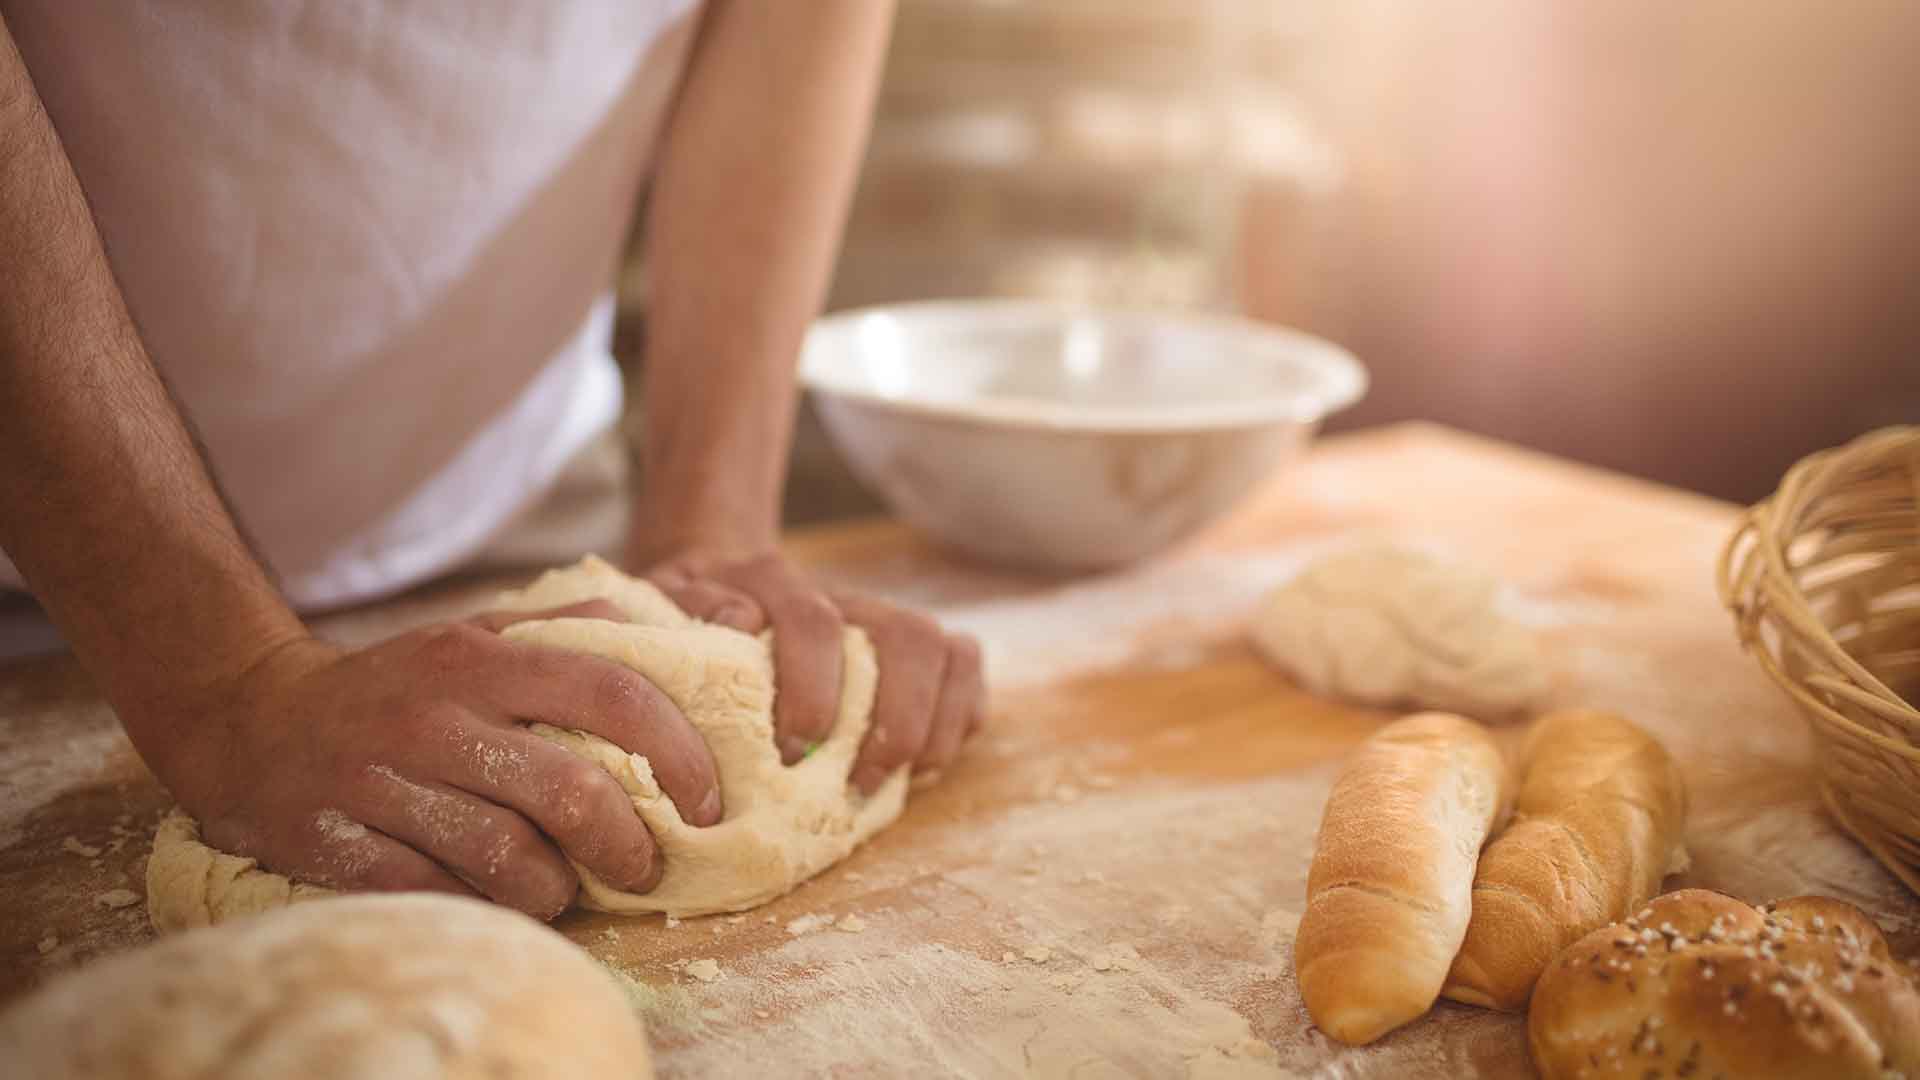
x=410, y=987
x=1391, y=627
x=781, y=824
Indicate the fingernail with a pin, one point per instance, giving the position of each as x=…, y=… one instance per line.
x=709, y=809
x=791, y=749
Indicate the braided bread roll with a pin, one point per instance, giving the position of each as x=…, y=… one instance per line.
x=1699, y=984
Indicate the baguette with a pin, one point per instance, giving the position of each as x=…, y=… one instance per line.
x=1597, y=826
x=1699, y=984
x=1392, y=874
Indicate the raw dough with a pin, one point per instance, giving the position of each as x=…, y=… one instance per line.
x=1397, y=628
x=782, y=825
x=389, y=987
x=190, y=884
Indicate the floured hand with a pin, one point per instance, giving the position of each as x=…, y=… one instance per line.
x=407, y=765
x=931, y=694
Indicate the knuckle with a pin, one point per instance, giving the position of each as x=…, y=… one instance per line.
x=426, y=720
x=965, y=651
x=618, y=691
x=454, y=646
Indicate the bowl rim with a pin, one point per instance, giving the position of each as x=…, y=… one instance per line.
x=1338, y=376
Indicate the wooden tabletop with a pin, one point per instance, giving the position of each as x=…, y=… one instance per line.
x=1107, y=884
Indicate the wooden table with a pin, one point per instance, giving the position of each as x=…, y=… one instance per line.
x=1109, y=881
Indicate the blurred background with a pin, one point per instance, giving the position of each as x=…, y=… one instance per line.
x=1679, y=240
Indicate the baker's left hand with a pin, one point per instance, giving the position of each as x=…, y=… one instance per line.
x=931, y=694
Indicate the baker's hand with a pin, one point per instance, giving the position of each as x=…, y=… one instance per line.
x=406, y=765
x=930, y=697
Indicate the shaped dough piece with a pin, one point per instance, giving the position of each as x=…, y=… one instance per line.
x=781, y=824
x=407, y=987
x=1390, y=627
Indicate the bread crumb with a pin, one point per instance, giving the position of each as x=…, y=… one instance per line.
x=852, y=924
x=1101, y=962
x=1007, y=958
x=48, y=944
x=73, y=846
x=117, y=898
x=704, y=969
x=1039, y=954
x=672, y=922
x=762, y=1014
x=736, y=920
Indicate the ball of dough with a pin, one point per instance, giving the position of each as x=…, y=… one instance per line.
x=1389, y=627
x=396, y=987
x=781, y=824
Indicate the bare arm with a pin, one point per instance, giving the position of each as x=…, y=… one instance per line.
x=105, y=504
x=761, y=157
x=759, y=164
x=342, y=768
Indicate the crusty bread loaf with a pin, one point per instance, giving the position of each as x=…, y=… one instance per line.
x=1388, y=892
x=1698, y=984
x=1597, y=825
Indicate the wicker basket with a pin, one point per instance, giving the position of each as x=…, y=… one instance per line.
x=1823, y=580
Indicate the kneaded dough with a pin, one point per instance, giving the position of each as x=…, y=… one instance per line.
x=412, y=987
x=190, y=884
x=1391, y=627
x=781, y=824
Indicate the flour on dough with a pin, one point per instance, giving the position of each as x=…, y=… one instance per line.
x=415, y=987
x=1397, y=628
x=782, y=824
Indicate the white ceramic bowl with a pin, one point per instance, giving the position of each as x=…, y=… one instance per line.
x=1064, y=438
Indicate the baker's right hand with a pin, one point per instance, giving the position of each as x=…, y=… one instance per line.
x=407, y=765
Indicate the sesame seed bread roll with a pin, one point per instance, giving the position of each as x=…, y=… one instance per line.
x=1597, y=826
x=1698, y=984
x=1392, y=874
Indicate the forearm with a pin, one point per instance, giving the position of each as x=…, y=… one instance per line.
x=105, y=504
x=760, y=161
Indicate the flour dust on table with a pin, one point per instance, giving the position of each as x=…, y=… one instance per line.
x=782, y=824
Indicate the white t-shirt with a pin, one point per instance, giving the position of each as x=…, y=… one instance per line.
x=369, y=243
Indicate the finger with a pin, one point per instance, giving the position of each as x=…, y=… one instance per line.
x=497, y=621
x=912, y=654
x=600, y=697
x=575, y=802
x=713, y=602
x=491, y=848
x=333, y=851
x=960, y=696
x=806, y=653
